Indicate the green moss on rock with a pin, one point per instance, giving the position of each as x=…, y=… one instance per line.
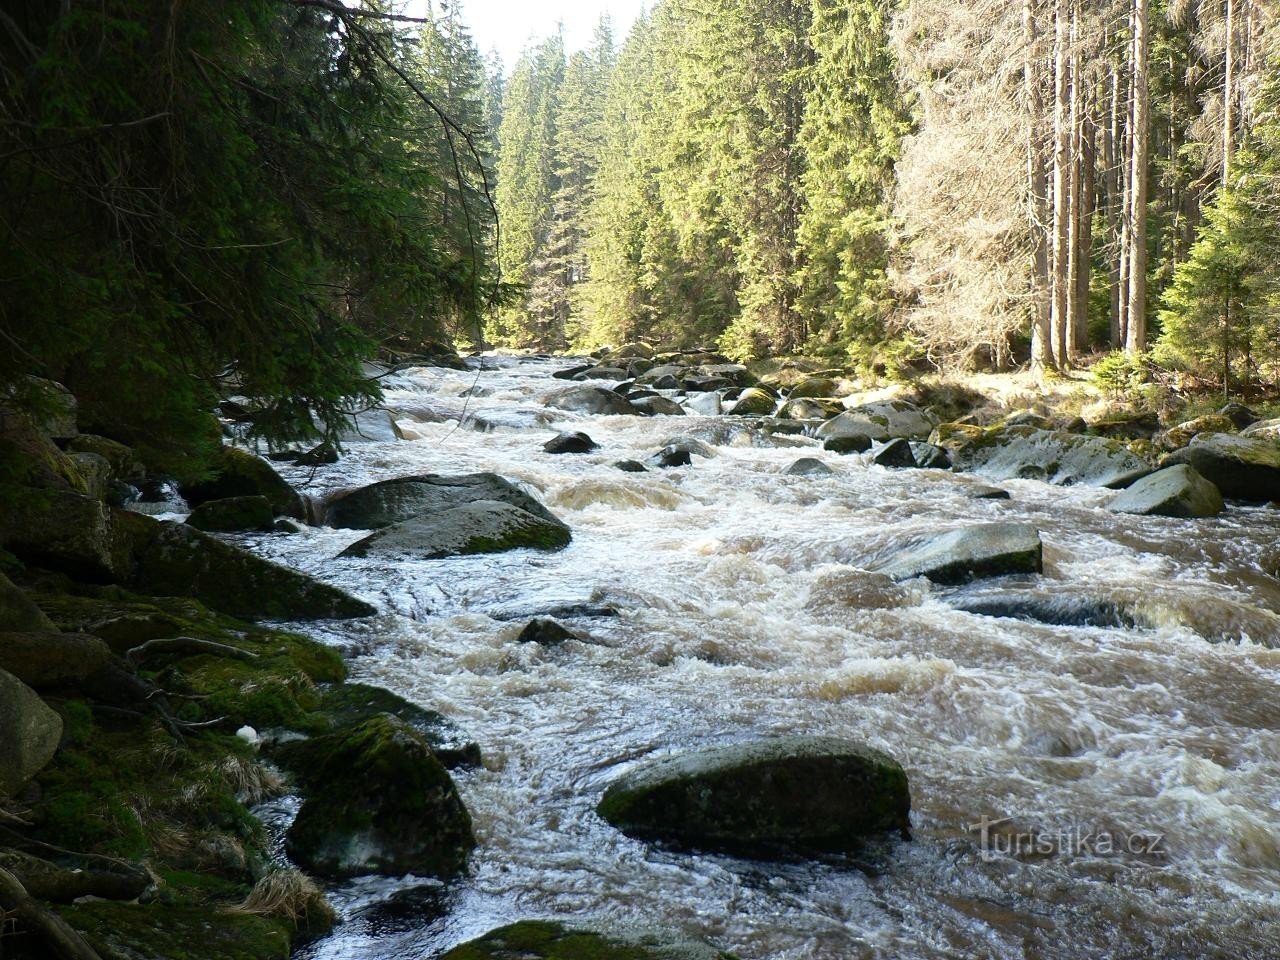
x=551, y=940
x=131, y=931
x=233, y=514
x=239, y=473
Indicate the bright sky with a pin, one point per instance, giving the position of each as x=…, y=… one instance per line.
x=511, y=25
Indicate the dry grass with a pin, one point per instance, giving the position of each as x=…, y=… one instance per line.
x=251, y=781
x=288, y=894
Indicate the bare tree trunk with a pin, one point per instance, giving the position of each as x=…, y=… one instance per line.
x=1085, y=211
x=1116, y=205
x=1229, y=93
x=1042, y=352
x=1061, y=270
x=1136, y=339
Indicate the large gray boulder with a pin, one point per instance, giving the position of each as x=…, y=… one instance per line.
x=53, y=407
x=29, y=734
x=592, y=400
x=551, y=940
x=754, y=401
x=1243, y=468
x=885, y=420
x=67, y=532
x=378, y=802
x=392, y=501
x=774, y=796
x=239, y=473
x=969, y=553
x=1177, y=491
x=1053, y=456
x=485, y=526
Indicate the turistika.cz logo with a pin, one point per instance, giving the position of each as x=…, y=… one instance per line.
x=997, y=839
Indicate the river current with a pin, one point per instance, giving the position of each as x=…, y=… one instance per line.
x=1134, y=771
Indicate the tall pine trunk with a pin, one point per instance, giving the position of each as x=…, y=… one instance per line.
x=1136, y=339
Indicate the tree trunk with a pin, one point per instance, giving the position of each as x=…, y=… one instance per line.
x=1061, y=271
x=1136, y=339
x=1042, y=353
x=1228, y=93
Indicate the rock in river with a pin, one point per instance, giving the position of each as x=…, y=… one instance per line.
x=590, y=400
x=576, y=442
x=485, y=526
x=239, y=473
x=808, y=467
x=1053, y=456
x=391, y=501
x=776, y=796
x=969, y=553
x=378, y=801
x=1177, y=491
x=233, y=514
x=1242, y=468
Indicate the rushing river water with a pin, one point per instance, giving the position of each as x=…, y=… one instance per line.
x=1140, y=765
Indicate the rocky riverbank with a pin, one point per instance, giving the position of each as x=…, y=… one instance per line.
x=151, y=704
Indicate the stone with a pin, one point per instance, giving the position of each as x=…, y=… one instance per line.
x=372, y=426
x=120, y=457
x=1177, y=491
x=483, y=526
x=51, y=406
x=806, y=409
x=551, y=940
x=814, y=387
x=239, y=473
x=347, y=704
x=670, y=456
x=66, y=532
x=96, y=473
x=49, y=660
x=657, y=407
x=1055, y=609
x=704, y=404
x=851, y=443
x=768, y=797
x=1130, y=424
x=378, y=802
x=691, y=445
x=884, y=420
x=1242, y=468
x=808, y=467
x=968, y=553
x=18, y=611
x=1183, y=433
x=633, y=350
x=570, y=373
x=321, y=455
x=1263, y=430
x=546, y=632
x=1053, y=456
x=754, y=401
x=981, y=491
x=895, y=453
x=576, y=442
x=631, y=466
x=602, y=373
x=29, y=734
x=929, y=456
x=174, y=559
x=232, y=515
x=387, y=502
x=1240, y=415
x=591, y=400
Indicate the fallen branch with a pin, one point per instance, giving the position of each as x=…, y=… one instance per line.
x=48, y=881
x=58, y=937
x=189, y=645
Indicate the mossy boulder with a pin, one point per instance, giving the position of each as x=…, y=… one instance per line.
x=18, y=611
x=29, y=733
x=378, y=802
x=348, y=704
x=68, y=532
x=777, y=796
x=1053, y=456
x=754, y=401
x=135, y=931
x=49, y=660
x=485, y=526
x=173, y=559
x=52, y=407
x=808, y=409
x=1182, y=434
x=391, y=501
x=1243, y=468
x=1177, y=491
x=814, y=387
x=239, y=473
x=884, y=420
x=969, y=553
x=233, y=514
x=123, y=465
x=552, y=940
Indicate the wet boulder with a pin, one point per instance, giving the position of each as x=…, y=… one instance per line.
x=775, y=796
x=239, y=473
x=372, y=426
x=483, y=526
x=808, y=467
x=378, y=802
x=670, y=456
x=631, y=466
x=969, y=553
x=392, y=501
x=576, y=442
x=591, y=400
x=29, y=734
x=1053, y=456
x=884, y=420
x=602, y=373
x=1056, y=609
x=347, y=704
x=929, y=456
x=1177, y=491
x=848, y=443
x=657, y=407
x=551, y=940
x=754, y=401
x=233, y=514
x=546, y=632
x=49, y=660
x=1242, y=468
x=706, y=404
x=570, y=373
x=895, y=453
x=808, y=409
x=982, y=491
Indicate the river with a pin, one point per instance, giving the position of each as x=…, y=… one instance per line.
x=1140, y=766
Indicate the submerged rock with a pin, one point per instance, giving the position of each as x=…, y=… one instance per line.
x=485, y=526
x=1243, y=468
x=895, y=453
x=969, y=553
x=670, y=456
x=29, y=734
x=392, y=501
x=378, y=801
x=233, y=514
x=546, y=632
x=1177, y=491
x=550, y=940
x=576, y=442
x=239, y=473
x=850, y=443
x=808, y=467
x=1055, y=609
x=348, y=704
x=631, y=466
x=657, y=407
x=591, y=400
x=929, y=456
x=982, y=491
x=780, y=795
x=1053, y=456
